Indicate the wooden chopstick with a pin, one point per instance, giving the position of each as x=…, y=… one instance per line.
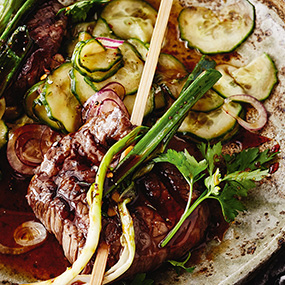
x=99, y=265
x=138, y=110
x=151, y=61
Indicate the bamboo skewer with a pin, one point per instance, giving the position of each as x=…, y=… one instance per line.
x=138, y=110
x=151, y=61
x=98, y=271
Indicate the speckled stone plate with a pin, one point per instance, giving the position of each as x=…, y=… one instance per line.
x=258, y=233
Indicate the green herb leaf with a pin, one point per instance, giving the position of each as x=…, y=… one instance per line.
x=248, y=159
x=242, y=176
x=189, y=167
x=243, y=170
x=191, y=170
x=211, y=154
x=229, y=204
x=178, y=265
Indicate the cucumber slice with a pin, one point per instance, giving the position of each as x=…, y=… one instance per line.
x=81, y=87
x=93, y=56
x=226, y=85
x=258, y=77
x=97, y=75
x=217, y=33
x=70, y=46
x=60, y=103
x=41, y=113
x=36, y=110
x=171, y=74
x=102, y=30
x=130, y=100
x=209, y=102
x=160, y=101
x=2, y=106
x=210, y=126
x=130, y=19
x=130, y=74
x=140, y=47
x=172, y=88
x=29, y=98
x=171, y=67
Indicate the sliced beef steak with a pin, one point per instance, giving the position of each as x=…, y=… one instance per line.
x=57, y=195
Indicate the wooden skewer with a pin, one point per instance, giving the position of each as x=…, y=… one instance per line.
x=99, y=265
x=151, y=61
x=138, y=110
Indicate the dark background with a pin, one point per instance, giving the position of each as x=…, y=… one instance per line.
x=272, y=272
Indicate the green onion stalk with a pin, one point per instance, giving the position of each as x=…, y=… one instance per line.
x=8, y=8
x=8, y=22
x=166, y=126
x=15, y=41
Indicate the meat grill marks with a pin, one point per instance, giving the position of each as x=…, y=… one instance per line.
x=57, y=195
x=47, y=29
x=155, y=212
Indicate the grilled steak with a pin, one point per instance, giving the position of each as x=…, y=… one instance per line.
x=47, y=29
x=57, y=195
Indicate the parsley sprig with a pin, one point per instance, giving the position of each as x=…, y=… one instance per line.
x=242, y=170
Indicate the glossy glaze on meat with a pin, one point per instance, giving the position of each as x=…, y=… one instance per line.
x=57, y=195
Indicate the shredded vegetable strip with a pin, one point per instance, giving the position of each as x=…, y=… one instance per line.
x=94, y=198
x=129, y=248
x=127, y=241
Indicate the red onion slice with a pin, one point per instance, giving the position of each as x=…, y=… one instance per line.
x=24, y=148
x=262, y=113
x=110, y=43
x=103, y=101
x=117, y=87
x=28, y=235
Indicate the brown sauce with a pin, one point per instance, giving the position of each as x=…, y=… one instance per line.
x=43, y=262
x=48, y=260
x=246, y=139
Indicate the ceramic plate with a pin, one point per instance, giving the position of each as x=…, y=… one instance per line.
x=258, y=233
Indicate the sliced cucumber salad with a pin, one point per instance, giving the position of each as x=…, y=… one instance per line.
x=220, y=32
x=214, y=125
x=61, y=105
x=130, y=73
x=130, y=19
x=95, y=61
x=256, y=78
x=128, y=24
